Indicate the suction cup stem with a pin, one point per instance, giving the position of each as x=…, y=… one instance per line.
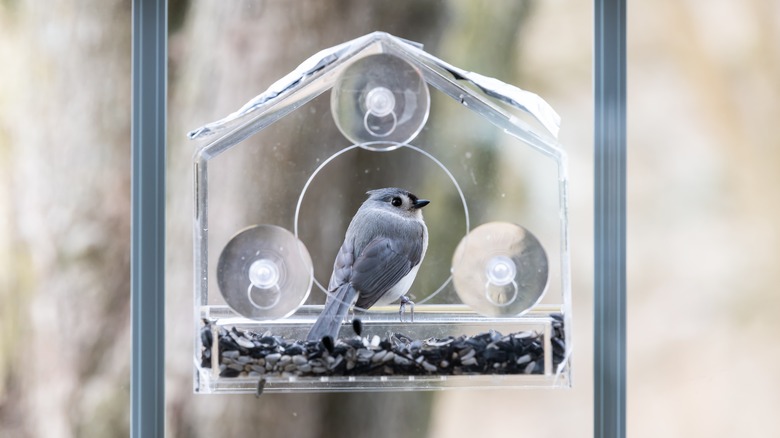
x=500, y=269
x=380, y=98
x=380, y=102
x=264, y=272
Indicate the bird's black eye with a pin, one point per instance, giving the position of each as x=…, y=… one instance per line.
x=396, y=201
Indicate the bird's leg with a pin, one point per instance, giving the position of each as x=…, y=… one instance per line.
x=402, y=310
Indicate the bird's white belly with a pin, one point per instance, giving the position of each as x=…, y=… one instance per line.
x=399, y=289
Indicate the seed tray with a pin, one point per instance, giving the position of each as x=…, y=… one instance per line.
x=240, y=359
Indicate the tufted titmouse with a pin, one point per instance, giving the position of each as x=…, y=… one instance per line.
x=381, y=254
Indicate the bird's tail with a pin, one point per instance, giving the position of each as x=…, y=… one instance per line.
x=336, y=307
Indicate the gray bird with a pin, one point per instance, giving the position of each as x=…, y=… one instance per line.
x=379, y=259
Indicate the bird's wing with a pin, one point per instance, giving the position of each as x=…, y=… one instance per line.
x=382, y=264
x=342, y=266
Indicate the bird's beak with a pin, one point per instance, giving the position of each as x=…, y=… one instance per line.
x=420, y=203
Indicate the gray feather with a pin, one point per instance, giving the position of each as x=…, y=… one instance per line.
x=336, y=307
x=382, y=264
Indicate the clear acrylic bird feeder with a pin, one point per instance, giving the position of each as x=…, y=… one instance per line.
x=279, y=180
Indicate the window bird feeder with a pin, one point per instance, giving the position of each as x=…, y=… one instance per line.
x=283, y=175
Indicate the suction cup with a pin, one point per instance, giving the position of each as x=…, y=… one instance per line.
x=380, y=98
x=500, y=269
x=264, y=272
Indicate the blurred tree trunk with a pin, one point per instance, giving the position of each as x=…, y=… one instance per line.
x=64, y=246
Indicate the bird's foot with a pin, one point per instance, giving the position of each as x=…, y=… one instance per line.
x=402, y=310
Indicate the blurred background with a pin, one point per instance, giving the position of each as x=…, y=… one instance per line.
x=703, y=210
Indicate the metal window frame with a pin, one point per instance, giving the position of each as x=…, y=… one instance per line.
x=148, y=131
x=147, y=260
x=609, y=360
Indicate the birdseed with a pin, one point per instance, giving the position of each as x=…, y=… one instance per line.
x=247, y=353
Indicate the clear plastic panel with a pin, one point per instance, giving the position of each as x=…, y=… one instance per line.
x=480, y=164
